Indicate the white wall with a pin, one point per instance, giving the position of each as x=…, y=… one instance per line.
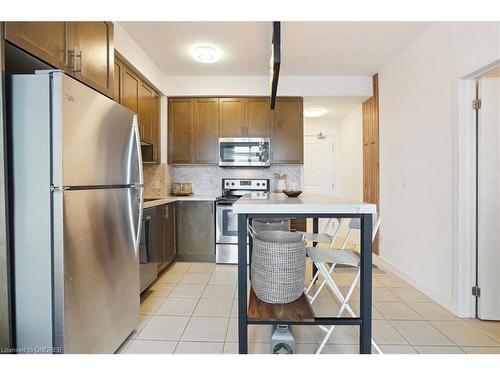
x=136, y=56
x=350, y=155
x=419, y=109
x=346, y=135
x=313, y=126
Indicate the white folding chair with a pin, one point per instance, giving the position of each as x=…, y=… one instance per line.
x=322, y=257
x=330, y=244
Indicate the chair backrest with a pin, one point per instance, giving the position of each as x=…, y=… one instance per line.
x=356, y=224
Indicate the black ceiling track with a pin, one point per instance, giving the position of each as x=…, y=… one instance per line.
x=276, y=61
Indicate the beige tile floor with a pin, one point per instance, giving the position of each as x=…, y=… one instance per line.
x=192, y=308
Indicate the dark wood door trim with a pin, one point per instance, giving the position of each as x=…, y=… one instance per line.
x=371, y=172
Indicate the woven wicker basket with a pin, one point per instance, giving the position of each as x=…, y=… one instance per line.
x=260, y=225
x=278, y=266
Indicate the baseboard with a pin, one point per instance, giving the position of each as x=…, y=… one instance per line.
x=439, y=299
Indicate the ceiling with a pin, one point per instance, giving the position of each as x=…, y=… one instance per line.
x=308, y=48
x=335, y=107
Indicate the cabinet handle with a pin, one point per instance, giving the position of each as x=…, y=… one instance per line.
x=74, y=54
x=165, y=212
x=79, y=56
x=70, y=54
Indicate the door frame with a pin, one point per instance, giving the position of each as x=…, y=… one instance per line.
x=5, y=293
x=332, y=139
x=464, y=202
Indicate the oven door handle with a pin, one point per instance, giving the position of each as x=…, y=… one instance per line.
x=224, y=203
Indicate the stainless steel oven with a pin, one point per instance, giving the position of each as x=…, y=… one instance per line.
x=244, y=152
x=226, y=226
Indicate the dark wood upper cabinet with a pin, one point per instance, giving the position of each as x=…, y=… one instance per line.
x=83, y=50
x=195, y=124
x=45, y=40
x=180, y=131
x=231, y=117
x=287, y=143
x=206, y=122
x=130, y=90
x=145, y=112
x=145, y=101
x=117, y=81
x=257, y=118
x=156, y=141
x=94, y=54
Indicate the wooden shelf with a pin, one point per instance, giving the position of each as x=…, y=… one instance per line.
x=297, y=311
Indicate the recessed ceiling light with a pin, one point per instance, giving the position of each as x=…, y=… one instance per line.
x=314, y=112
x=206, y=55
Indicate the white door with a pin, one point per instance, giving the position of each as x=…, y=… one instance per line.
x=488, y=256
x=319, y=165
x=319, y=169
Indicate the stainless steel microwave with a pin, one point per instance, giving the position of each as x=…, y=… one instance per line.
x=244, y=152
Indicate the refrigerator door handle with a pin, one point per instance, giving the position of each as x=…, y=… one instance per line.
x=138, y=185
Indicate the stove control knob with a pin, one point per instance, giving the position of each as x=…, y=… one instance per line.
x=232, y=183
x=258, y=183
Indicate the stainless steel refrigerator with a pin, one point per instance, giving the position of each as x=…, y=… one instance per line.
x=77, y=193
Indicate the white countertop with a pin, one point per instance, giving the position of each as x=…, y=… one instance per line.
x=173, y=198
x=306, y=203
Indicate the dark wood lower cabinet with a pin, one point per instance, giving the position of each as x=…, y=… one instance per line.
x=168, y=250
x=298, y=225
x=195, y=228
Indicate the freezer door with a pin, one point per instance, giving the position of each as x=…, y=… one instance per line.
x=96, y=261
x=93, y=137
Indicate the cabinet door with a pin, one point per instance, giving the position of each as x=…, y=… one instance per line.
x=117, y=81
x=156, y=129
x=195, y=230
x=180, y=131
x=130, y=90
x=206, y=122
x=169, y=246
x=45, y=40
x=231, y=117
x=257, y=118
x=94, y=43
x=145, y=114
x=287, y=144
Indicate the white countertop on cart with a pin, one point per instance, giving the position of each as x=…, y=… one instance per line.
x=152, y=202
x=306, y=203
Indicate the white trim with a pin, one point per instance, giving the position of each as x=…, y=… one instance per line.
x=484, y=69
x=464, y=205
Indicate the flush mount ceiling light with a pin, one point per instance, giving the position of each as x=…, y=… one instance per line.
x=205, y=54
x=314, y=112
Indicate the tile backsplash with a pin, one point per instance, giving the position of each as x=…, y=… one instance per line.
x=207, y=180
x=157, y=180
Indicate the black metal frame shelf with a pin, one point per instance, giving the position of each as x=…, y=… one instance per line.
x=365, y=318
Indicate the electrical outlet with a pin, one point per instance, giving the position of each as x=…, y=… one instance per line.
x=157, y=185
